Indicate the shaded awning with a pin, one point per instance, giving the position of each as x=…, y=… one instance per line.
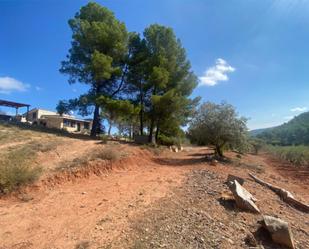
x=12, y=104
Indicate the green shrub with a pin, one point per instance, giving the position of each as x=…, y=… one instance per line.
x=14, y=176
x=297, y=155
x=168, y=141
x=104, y=138
x=16, y=171
x=256, y=145
x=108, y=153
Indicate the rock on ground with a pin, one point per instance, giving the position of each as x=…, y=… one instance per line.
x=279, y=230
x=244, y=200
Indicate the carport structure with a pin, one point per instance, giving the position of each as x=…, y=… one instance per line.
x=15, y=105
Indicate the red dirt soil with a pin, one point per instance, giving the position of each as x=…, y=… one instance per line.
x=98, y=208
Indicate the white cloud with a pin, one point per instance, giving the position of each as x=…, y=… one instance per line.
x=216, y=73
x=299, y=109
x=38, y=88
x=8, y=85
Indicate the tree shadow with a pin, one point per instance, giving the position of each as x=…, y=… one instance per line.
x=202, y=154
x=176, y=162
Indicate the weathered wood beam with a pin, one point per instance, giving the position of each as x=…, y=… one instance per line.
x=284, y=194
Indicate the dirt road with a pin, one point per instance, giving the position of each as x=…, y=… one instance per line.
x=127, y=207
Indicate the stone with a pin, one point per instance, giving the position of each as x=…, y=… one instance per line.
x=244, y=200
x=279, y=230
x=227, y=196
x=174, y=149
x=250, y=240
x=231, y=178
x=214, y=162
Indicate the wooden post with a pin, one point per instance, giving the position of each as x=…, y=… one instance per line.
x=27, y=113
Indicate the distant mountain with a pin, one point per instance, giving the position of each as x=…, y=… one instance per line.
x=294, y=132
x=256, y=132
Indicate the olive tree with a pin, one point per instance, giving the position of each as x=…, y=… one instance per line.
x=220, y=126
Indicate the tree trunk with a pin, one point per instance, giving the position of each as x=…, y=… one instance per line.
x=152, y=122
x=150, y=138
x=157, y=132
x=219, y=151
x=109, y=129
x=141, y=120
x=96, y=122
x=141, y=113
x=131, y=131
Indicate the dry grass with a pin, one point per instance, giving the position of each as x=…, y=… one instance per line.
x=237, y=162
x=17, y=166
x=45, y=146
x=16, y=169
x=10, y=134
x=156, y=150
x=109, y=153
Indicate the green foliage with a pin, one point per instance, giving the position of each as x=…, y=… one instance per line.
x=161, y=80
x=294, y=132
x=130, y=76
x=256, y=144
x=99, y=43
x=220, y=126
x=297, y=155
x=168, y=141
x=102, y=68
x=117, y=110
x=97, y=57
x=63, y=107
x=104, y=138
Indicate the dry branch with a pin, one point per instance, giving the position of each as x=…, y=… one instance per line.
x=284, y=194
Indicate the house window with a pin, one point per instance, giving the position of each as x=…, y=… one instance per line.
x=86, y=126
x=69, y=123
x=66, y=123
x=34, y=115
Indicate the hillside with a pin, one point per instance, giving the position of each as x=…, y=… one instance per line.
x=294, y=132
x=257, y=132
x=147, y=199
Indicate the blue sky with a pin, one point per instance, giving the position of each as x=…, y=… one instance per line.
x=251, y=53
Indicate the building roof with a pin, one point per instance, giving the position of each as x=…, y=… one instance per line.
x=12, y=104
x=65, y=117
x=40, y=109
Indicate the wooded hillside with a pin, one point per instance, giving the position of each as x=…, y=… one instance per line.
x=294, y=132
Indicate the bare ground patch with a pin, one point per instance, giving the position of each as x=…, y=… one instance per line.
x=195, y=217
